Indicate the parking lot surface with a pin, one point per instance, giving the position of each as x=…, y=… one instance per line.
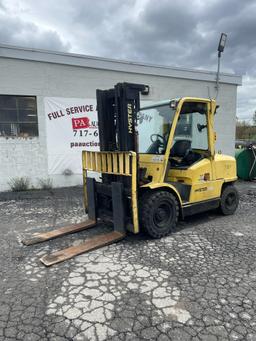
x=196, y=284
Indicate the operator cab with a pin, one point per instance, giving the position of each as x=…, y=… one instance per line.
x=189, y=130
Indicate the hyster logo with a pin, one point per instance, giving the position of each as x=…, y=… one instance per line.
x=129, y=110
x=80, y=123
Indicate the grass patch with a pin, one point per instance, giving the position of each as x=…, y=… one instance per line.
x=45, y=183
x=19, y=184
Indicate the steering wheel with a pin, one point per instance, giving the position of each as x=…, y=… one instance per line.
x=159, y=142
x=159, y=138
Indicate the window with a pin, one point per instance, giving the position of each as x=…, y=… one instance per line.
x=154, y=125
x=192, y=125
x=18, y=116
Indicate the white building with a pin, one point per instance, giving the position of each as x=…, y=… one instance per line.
x=31, y=80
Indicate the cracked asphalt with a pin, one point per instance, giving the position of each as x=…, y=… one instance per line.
x=196, y=284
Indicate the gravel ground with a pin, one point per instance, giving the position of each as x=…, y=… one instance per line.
x=196, y=284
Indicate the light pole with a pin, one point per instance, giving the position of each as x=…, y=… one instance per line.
x=222, y=43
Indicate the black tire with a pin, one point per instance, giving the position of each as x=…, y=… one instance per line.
x=229, y=200
x=159, y=211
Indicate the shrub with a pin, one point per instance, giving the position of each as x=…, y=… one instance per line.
x=19, y=184
x=45, y=183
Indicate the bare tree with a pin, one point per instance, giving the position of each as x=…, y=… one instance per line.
x=254, y=118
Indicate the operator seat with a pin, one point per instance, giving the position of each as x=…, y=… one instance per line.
x=180, y=148
x=182, y=156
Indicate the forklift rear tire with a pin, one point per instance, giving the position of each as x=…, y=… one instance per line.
x=159, y=211
x=229, y=200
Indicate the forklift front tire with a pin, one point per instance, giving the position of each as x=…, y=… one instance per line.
x=159, y=211
x=229, y=200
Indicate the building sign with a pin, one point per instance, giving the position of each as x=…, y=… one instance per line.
x=71, y=126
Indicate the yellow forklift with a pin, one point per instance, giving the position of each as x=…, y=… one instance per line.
x=156, y=165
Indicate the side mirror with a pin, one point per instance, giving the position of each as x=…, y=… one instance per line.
x=200, y=127
x=217, y=107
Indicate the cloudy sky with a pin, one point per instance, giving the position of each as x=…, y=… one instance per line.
x=167, y=32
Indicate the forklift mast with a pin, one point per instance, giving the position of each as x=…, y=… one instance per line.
x=117, y=116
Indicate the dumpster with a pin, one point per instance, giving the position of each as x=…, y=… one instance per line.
x=246, y=162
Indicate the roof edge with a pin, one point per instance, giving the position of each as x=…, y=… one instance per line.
x=73, y=59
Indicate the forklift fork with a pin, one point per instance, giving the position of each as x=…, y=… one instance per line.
x=89, y=245
x=94, y=242
x=42, y=237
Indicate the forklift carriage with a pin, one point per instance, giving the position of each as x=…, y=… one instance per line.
x=112, y=200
